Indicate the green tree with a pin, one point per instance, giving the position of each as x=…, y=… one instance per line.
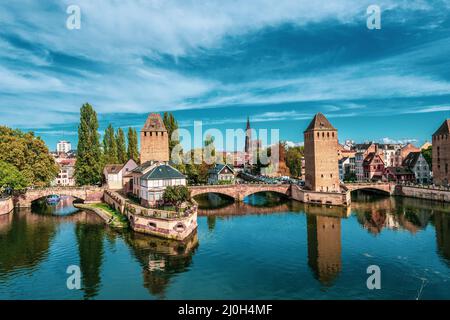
x=171, y=125
x=427, y=154
x=294, y=157
x=209, y=151
x=89, y=165
x=110, y=146
x=176, y=195
x=29, y=155
x=121, y=146
x=11, y=177
x=132, y=150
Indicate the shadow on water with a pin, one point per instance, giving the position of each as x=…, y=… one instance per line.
x=63, y=208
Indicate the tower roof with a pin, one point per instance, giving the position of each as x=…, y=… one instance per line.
x=443, y=129
x=319, y=122
x=248, y=123
x=154, y=123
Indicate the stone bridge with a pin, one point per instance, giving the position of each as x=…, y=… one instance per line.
x=384, y=187
x=87, y=194
x=240, y=191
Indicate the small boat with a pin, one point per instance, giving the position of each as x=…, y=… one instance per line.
x=53, y=199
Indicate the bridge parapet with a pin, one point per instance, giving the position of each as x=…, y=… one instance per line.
x=87, y=194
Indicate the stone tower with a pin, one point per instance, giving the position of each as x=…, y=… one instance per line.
x=248, y=137
x=154, y=140
x=321, y=156
x=441, y=154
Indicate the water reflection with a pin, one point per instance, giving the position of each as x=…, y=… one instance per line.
x=374, y=213
x=24, y=241
x=63, y=208
x=324, y=247
x=161, y=259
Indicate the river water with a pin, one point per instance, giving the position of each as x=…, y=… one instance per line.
x=264, y=248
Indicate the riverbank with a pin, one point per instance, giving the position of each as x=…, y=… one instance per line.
x=110, y=216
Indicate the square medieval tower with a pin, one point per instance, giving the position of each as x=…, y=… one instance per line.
x=321, y=156
x=441, y=154
x=154, y=140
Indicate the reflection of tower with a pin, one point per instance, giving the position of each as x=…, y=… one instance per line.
x=324, y=247
x=442, y=225
x=90, y=247
x=321, y=156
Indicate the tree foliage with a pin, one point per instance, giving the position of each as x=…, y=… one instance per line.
x=89, y=165
x=427, y=154
x=122, y=156
x=11, y=177
x=171, y=125
x=294, y=157
x=29, y=155
x=132, y=150
x=110, y=150
x=176, y=195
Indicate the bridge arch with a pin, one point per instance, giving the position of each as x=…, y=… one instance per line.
x=381, y=188
x=86, y=194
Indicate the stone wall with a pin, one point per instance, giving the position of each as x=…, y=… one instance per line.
x=327, y=198
x=423, y=193
x=6, y=205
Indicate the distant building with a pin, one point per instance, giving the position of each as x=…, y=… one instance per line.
x=63, y=147
x=416, y=162
x=347, y=169
x=425, y=146
x=221, y=173
x=399, y=174
x=362, y=150
x=321, y=156
x=65, y=177
x=117, y=176
x=441, y=154
x=404, y=152
x=373, y=167
x=154, y=140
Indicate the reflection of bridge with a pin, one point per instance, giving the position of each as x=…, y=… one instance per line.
x=87, y=194
x=240, y=191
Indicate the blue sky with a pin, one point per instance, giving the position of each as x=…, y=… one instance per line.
x=278, y=62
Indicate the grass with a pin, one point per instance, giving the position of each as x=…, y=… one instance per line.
x=119, y=217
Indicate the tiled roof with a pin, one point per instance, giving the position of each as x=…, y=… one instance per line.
x=219, y=167
x=143, y=167
x=154, y=123
x=163, y=172
x=113, y=168
x=319, y=122
x=399, y=170
x=443, y=129
x=411, y=159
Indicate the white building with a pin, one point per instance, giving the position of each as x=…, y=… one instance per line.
x=417, y=163
x=116, y=175
x=63, y=147
x=151, y=178
x=221, y=173
x=156, y=180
